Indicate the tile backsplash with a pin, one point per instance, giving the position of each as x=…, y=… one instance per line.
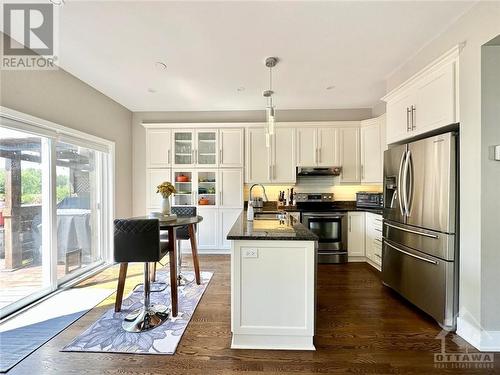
x=315, y=185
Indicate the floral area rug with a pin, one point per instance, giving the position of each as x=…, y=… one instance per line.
x=107, y=334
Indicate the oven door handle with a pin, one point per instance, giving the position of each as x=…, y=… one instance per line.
x=324, y=217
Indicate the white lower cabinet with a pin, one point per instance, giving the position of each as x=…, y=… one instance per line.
x=356, y=234
x=373, y=239
x=227, y=217
x=208, y=233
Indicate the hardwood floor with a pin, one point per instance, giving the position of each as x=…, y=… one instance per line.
x=362, y=327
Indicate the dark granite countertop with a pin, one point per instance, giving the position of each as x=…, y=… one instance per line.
x=338, y=206
x=269, y=230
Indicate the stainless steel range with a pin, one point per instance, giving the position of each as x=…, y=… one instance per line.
x=330, y=226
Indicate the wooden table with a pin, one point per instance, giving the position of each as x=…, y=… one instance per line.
x=169, y=226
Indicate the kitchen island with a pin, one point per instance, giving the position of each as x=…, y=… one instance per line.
x=273, y=277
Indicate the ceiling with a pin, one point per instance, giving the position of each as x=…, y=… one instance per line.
x=213, y=48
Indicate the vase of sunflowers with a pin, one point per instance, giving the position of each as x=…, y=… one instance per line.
x=166, y=189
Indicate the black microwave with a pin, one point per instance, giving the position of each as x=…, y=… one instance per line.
x=369, y=199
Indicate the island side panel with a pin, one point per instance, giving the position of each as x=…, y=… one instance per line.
x=273, y=294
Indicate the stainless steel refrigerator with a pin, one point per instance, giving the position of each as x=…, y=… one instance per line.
x=420, y=252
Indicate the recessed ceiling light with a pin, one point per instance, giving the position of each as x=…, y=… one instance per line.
x=160, y=65
x=240, y=89
x=151, y=90
x=330, y=87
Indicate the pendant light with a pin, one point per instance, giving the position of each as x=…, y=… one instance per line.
x=270, y=109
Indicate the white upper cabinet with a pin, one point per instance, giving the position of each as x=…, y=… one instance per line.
x=399, y=117
x=183, y=148
x=307, y=148
x=158, y=152
x=435, y=105
x=328, y=147
x=257, y=157
x=318, y=147
x=207, y=149
x=350, y=155
x=371, y=151
x=283, y=156
x=231, y=153
x=273, y=164
x=426, y=102
x=231, y=188
x=195, y=148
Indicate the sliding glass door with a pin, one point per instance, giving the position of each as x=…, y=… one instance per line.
x=25, y=267
x=54, y=211
x=78, y=195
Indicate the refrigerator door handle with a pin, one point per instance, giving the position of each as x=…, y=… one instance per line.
x=409, y=168
x=400, y=181
x=410, y=254
x=405, y=183
x=412, y=231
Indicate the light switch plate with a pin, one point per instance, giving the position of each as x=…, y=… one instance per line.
x=250, y=253
x=497, y=152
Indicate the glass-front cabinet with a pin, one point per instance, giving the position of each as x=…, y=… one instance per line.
x=207, y=188
x=185, y=187
x=206, y=150
x=195, y=147
x=195, y=187
x=184, y=152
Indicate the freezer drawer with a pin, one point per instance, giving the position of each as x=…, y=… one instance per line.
x=436, y=244
x=425, y=281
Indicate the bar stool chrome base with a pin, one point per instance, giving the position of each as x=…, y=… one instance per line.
x=145, y=319
x=183, y=280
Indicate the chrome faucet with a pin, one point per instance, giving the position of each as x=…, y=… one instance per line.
x=250, y=198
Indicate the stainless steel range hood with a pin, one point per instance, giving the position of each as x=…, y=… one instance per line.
x=318, y=171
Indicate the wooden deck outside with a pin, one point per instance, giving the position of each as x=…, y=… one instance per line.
x=20, y=283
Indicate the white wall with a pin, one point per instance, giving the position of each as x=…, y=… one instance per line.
x=59, y=97
x=490, y=187
x=139, y=133
x=476, y=27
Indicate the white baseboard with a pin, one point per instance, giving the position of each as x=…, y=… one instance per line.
x=482, y=340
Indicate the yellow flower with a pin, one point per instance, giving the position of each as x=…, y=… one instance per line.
x=166, y=189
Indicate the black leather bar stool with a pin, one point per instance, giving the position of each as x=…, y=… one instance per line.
x=182, y=233
x=138, y=240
